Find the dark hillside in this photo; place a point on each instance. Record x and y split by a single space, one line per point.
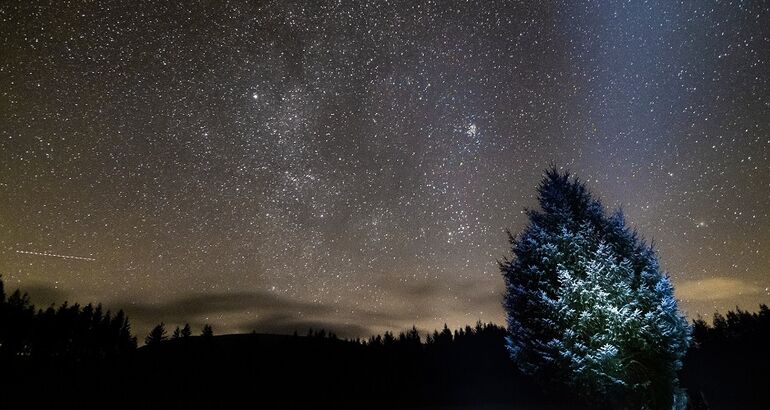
276 371
726 368
311 372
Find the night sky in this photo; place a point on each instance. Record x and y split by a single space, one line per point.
278 165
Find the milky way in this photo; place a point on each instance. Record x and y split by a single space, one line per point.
274 166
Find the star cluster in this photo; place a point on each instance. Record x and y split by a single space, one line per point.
276 165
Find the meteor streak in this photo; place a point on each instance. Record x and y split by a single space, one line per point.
82 258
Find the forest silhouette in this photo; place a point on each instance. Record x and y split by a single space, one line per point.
82 356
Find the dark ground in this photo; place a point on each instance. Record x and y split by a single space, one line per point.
275 371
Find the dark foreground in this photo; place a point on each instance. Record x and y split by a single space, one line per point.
728 370
275 371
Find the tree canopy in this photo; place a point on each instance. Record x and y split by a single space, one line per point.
67 332
588 306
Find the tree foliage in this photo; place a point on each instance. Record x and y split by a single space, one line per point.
728 362
588 305
186 331
68 332
157 335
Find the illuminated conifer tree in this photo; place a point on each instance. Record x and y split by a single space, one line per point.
588 306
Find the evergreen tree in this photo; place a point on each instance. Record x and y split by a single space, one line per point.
157 335
445 337
186 330
588 305
388 339
177 333
17 320
207 331
413 337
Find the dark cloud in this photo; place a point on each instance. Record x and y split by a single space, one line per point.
42 295
189 307
264 312
194 305
422 290
481 297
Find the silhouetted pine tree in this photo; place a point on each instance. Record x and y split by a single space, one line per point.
16 325
207 331
177 333
728 363
388 339
445 337
589 306
68 333
186 331
412 339
156 336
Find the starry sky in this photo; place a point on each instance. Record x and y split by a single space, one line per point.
277 165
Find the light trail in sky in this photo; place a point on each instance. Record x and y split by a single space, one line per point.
82 258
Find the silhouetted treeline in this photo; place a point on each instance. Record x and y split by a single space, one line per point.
467 367
728 364
63 333
158 334
81 357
